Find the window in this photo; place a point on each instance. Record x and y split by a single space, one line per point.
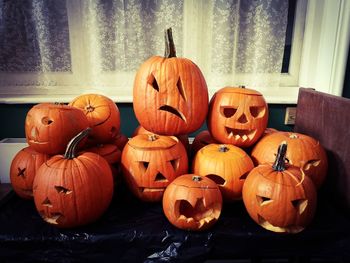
84 52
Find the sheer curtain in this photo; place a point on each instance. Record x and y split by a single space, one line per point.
103 42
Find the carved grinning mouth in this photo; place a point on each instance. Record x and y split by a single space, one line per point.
240 134
173 111
287 229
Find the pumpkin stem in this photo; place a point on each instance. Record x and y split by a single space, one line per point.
279 164
152 137
293 136
71 147
223 148
241 87
196 178
170 51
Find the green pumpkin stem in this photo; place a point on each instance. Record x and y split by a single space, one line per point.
280 161
170 51
73 143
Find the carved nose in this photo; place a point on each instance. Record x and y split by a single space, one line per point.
242 119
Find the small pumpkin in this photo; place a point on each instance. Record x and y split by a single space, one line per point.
49 127
151 162
227 165
192 202
170 95
279 197
24 166
237 116
73 190
303 151
103 116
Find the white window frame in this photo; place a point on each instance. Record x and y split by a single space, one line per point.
318 59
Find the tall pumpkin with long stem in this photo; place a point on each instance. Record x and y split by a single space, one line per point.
71 190
170 94
280 197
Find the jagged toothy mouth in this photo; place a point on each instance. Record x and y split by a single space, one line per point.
174 111
201 222
287 229
240 134
151 189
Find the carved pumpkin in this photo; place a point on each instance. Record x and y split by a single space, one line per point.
103 116
23 169
303 151
192 202
227 165
72 190
151 162
237 116
200 140
121 140
280 197
182 138
170 94
49 127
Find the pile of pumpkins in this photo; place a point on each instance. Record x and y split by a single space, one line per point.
75 149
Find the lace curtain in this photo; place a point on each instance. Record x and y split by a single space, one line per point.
234 42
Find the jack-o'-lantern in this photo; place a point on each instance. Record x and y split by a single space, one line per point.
49 127
170 95
227 165
303 151
103 116
72 190
23 169
237 116
200 140
151 162
280 197
192 202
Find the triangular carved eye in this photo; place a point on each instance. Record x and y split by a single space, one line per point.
243 176
160 178
256 111
62 190
181 89
153 82
175 164
311 163
262 200
216 178
300 205
144 166
228 112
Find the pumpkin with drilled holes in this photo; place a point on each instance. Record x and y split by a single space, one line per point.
303 151
170 94
103 116
24 166
237 116
227 165
279 197
182 138
192 202
202 139
49 127
73 190
151 162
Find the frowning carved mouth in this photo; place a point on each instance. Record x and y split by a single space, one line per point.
240 134
173 111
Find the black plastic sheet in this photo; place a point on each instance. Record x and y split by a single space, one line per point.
133 231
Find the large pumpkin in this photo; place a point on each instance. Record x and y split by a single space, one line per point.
72 190
226 165
280 197
192 202
23 170
151 162
49 127
237 116
103 116
170 94
303 151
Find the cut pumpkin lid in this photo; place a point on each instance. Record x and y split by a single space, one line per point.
152 141
239 90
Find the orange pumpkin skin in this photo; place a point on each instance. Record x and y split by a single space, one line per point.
227 165
23 169
237 116
170 95
182 138
200 140
103 116
121 140
192 202
109 152
280 201
150 162
73 191
303 151
49 127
